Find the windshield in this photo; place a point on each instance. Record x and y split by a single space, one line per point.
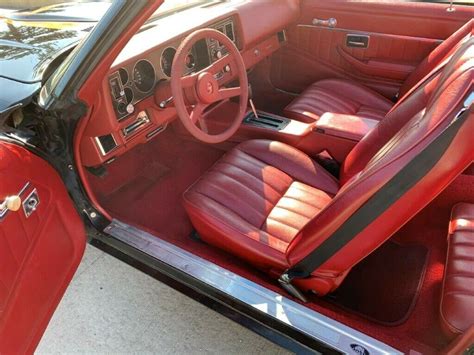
79 11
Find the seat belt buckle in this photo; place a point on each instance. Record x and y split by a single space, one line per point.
285 282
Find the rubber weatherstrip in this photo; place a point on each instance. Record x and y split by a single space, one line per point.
386 196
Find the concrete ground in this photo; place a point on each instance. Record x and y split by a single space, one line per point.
111 307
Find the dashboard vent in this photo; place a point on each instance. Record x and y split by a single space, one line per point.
281 36
106 143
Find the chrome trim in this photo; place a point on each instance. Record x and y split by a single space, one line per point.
330 22
277 306
31 203
153 133
142 119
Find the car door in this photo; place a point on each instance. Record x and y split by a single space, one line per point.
41 245
376 43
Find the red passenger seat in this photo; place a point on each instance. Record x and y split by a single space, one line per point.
348 97
457 302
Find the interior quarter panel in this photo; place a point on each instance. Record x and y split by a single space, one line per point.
38 254
401 35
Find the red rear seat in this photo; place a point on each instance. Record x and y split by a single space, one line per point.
457 302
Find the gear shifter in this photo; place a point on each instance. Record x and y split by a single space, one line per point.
252 105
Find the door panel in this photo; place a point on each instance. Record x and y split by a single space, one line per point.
400 35
39 253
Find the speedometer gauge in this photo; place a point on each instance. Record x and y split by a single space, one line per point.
144 76
167 60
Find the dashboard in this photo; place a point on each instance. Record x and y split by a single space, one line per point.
136 80
134 103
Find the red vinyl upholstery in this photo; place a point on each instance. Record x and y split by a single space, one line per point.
337 96
457 302
251 192
271 205
348 97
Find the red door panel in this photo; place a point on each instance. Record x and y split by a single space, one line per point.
400 35
39 253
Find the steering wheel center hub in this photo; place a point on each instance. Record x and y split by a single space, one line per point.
207 88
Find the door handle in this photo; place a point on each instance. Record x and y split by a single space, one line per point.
358 41
330 22
11 203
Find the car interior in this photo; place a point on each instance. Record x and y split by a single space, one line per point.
301 139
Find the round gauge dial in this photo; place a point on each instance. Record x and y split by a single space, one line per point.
167 60
123 75
144 76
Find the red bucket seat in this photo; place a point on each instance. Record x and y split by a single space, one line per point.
275 207
348 97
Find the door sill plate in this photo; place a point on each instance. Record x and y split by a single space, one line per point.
272 304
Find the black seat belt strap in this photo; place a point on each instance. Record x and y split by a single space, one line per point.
377 204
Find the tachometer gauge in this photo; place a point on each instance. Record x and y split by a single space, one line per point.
167 60
144 76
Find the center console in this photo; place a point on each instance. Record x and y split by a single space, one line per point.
335 133
266 120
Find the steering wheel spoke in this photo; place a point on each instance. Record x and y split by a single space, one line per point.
197 112
220 65
189 81
227 93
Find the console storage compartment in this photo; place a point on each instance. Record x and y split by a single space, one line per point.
345 126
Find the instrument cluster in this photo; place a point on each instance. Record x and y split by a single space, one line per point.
135 81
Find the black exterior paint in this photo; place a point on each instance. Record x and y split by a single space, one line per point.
31 43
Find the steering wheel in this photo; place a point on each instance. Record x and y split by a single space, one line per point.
203 89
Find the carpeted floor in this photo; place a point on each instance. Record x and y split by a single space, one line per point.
151 199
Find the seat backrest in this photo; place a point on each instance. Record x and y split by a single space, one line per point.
435 57
439 109
411 103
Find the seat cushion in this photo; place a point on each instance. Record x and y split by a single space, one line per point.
255 200
457 302
338 96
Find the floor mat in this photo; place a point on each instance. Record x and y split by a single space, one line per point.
384 286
